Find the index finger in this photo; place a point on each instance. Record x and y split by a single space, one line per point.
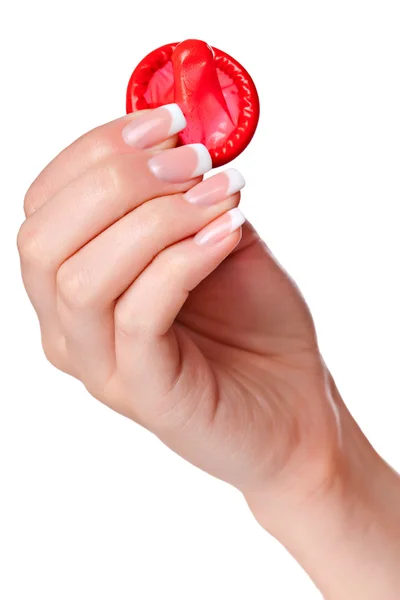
94 147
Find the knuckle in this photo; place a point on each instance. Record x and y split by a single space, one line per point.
22 238
173 263
130 325
152 219
112 176
124 323
30 247
95 145
29 202
72 288
33 199
155 222
159 218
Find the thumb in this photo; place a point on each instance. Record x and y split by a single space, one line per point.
275 305
155 357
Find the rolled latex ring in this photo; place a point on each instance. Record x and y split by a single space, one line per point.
216 94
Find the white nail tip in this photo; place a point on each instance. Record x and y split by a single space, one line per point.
178 120
237 218
236 181
204 162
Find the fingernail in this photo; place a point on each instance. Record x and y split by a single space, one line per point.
154 126
216 188
180 164
220 228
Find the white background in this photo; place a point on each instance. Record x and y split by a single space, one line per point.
91 506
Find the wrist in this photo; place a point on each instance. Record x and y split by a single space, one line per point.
344 529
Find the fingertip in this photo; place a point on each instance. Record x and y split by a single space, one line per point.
221 228
154 127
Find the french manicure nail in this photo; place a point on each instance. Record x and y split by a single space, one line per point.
180 164
154 126
216 188
220 228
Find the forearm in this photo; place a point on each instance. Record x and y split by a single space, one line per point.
346 535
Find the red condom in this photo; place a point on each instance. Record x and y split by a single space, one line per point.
216 94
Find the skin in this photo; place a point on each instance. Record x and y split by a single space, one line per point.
213 349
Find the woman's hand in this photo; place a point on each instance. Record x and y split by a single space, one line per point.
146 292
135 298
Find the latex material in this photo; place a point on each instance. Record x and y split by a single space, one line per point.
162 85
214 91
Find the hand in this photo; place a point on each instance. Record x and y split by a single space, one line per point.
146 291
217 357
